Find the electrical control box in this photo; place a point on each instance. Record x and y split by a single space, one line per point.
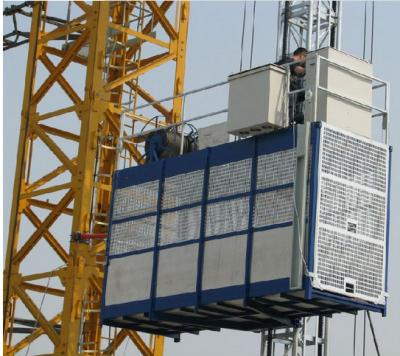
257 101
337 90
345 94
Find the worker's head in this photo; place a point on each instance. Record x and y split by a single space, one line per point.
300 54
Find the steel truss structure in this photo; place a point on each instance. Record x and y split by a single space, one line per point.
296 341
309 24
92 63
313 25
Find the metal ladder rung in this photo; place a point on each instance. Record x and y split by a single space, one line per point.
100 223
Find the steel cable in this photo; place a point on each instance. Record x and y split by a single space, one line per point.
372 30
252 34
373 333
243 28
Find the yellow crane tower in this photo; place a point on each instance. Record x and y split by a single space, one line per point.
115 43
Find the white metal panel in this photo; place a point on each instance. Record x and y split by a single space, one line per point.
213 135
332 109
177 270
129 279
272 254
350 233
224 262
257 101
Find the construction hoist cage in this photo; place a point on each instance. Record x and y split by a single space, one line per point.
207 240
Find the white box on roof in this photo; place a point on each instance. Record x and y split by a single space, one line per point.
351 81
257 101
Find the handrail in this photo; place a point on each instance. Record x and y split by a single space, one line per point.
381 112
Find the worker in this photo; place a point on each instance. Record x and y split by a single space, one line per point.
297 73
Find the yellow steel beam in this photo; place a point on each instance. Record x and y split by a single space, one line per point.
99 114
50 219
61 80
164 58
52 189
180 60
116 342
139 343
60 133
140 35
158 348
169 29
47 178
83 6
144 120
46 205
38 276
43 289
58 152
55 245
44 88
62 31
60 53
32 337
150 99
78 275
55 113
37 314
15 213
153 22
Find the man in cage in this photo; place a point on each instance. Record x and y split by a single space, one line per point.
297 73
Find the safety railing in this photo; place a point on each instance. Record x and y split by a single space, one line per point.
311 90
376 84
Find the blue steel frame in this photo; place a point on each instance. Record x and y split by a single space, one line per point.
204 159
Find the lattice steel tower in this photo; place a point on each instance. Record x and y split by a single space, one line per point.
309 24
313 25
92 66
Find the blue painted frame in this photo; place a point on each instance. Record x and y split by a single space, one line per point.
203 160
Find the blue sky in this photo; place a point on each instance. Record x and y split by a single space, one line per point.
213 54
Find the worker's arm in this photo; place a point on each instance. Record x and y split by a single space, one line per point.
299 70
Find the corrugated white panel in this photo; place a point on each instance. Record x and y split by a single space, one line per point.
350 231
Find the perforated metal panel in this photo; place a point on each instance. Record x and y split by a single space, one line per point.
274 207
132 235
276 168
227 216
183 189
230 178
350 232
135 200
181 225
140 215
